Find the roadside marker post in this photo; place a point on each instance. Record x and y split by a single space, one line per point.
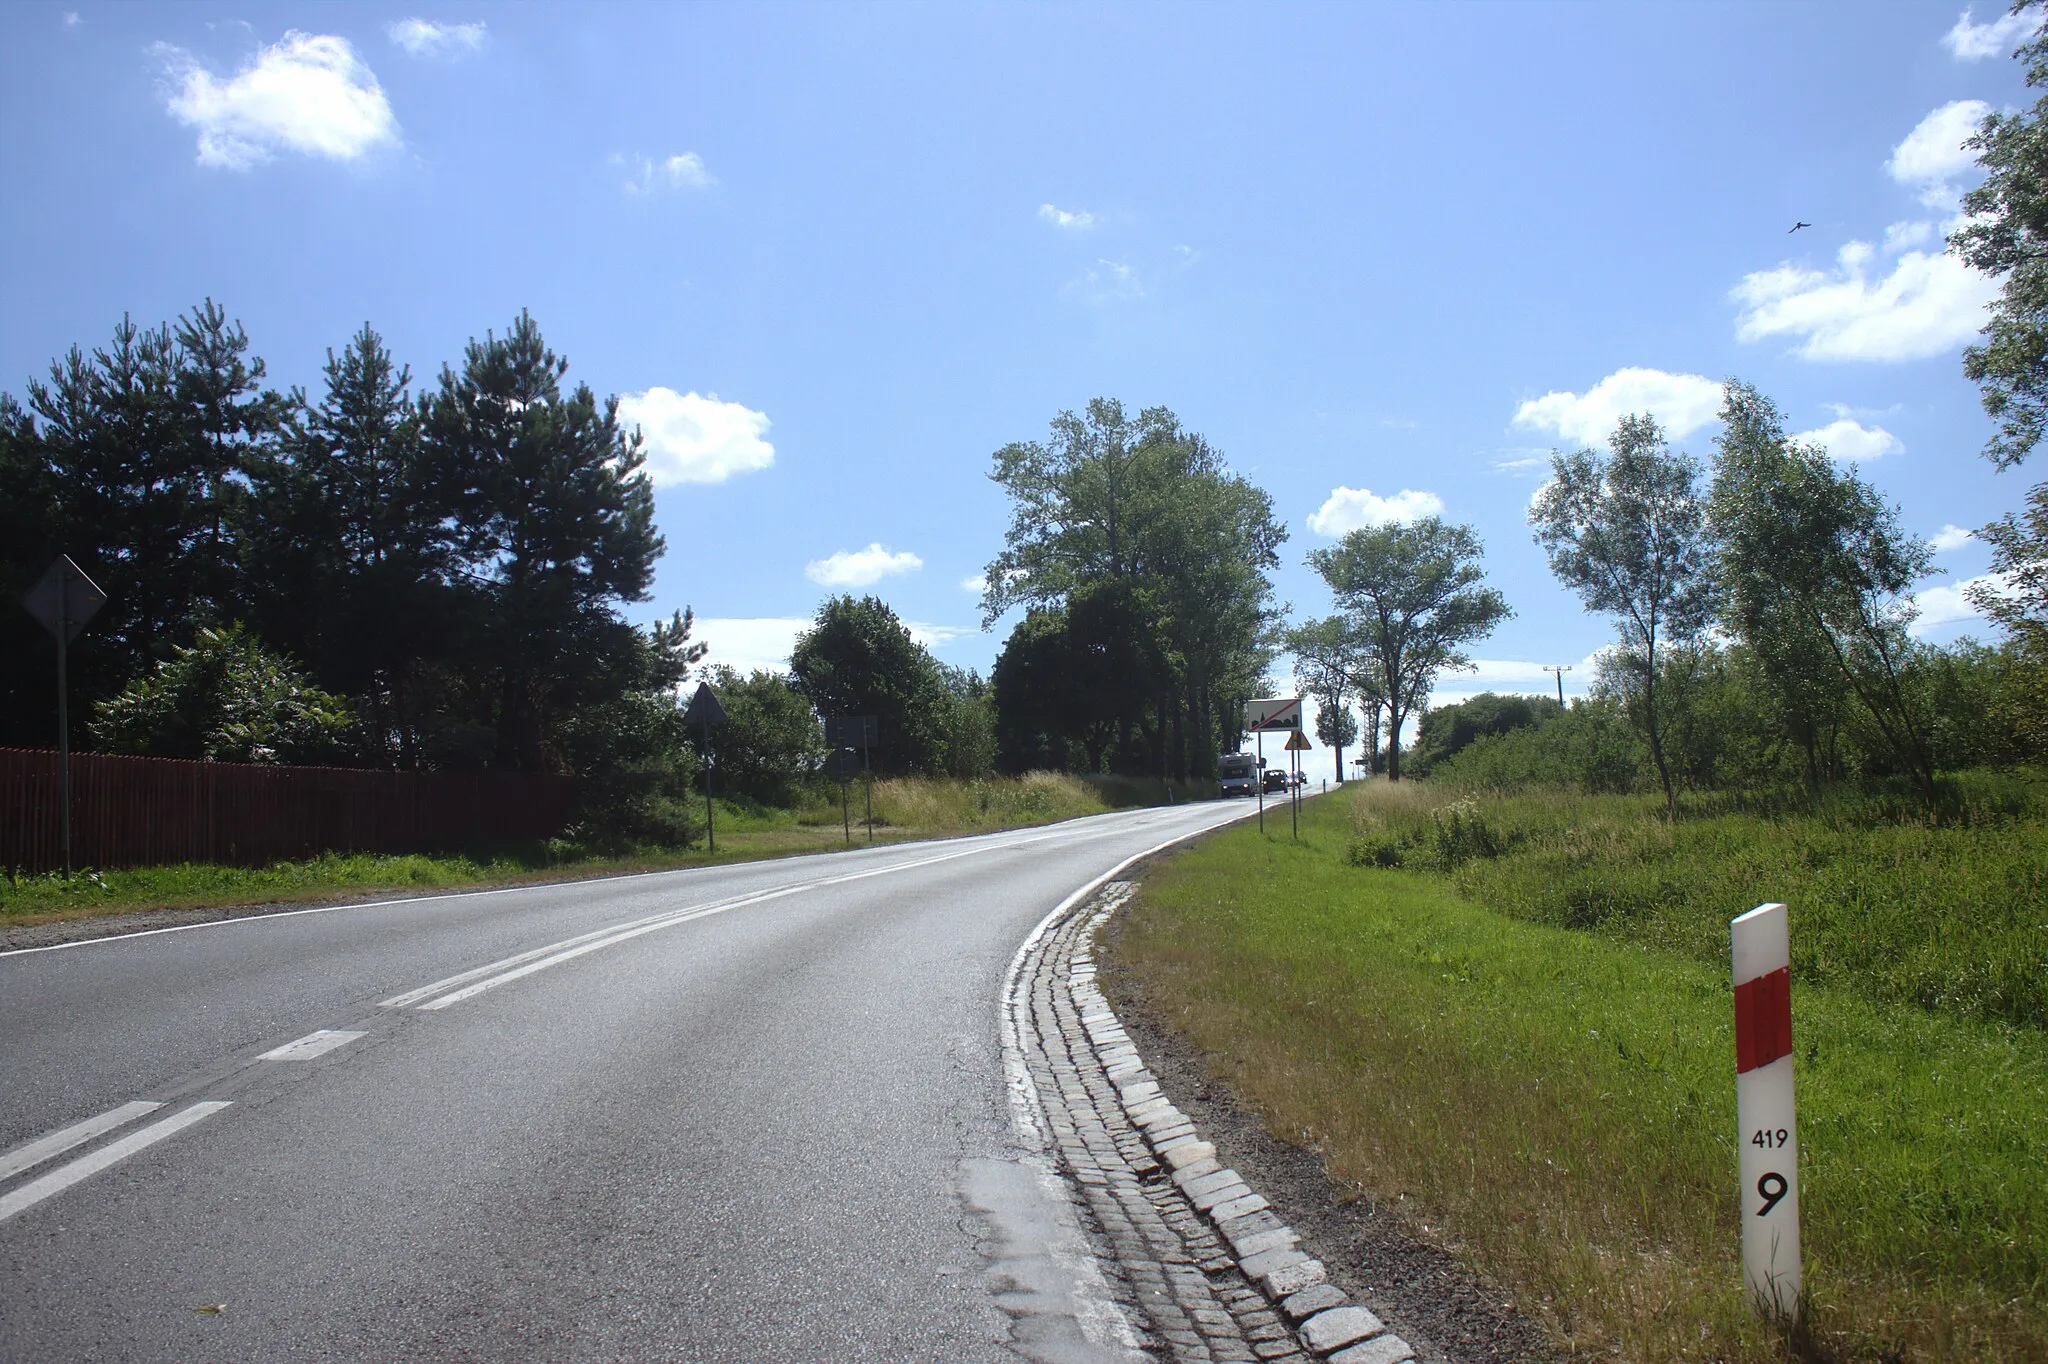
1761 947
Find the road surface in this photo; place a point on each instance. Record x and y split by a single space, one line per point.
754 1112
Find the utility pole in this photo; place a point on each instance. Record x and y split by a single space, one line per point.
1560 670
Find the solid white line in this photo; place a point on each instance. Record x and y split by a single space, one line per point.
472 991
57 1143
64 1176
503 963
541 958
316 1043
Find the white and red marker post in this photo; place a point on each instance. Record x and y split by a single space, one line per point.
1762 948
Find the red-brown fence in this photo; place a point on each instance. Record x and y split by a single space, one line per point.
139 812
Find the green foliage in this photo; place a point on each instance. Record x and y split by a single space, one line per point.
1414 599
1148 559
1446 731
134 460
858 659
1591 747
2002 231
1627 532
771 744
967 737
1817 575
227 698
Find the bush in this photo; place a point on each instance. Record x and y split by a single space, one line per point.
228 698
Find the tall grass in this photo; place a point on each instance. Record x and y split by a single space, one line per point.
1948 915
1557 1106
905 808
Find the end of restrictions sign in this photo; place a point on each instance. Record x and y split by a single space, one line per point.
1273 714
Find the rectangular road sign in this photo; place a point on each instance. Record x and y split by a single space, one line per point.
1269 714
849 731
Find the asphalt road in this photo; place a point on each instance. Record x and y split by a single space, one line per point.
749 1113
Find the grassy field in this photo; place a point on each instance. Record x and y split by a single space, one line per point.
1556 1104
905 809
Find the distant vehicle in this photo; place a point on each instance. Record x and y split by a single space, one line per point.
1276 779
1301 779
1239 774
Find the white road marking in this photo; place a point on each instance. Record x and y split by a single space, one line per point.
669 921
481 979
64 1176
316 1043
57 1143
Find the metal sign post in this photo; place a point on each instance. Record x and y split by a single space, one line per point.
1297 744
841 767
704 711
1767 1136
856 731
63 600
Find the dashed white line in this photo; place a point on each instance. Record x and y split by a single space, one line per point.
316 1043
64 1176
57 1143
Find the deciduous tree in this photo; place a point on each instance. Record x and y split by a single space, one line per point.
1414 596
1627 532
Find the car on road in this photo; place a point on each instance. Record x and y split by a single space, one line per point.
1276 779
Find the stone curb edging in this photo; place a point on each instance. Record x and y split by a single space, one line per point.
1212 1268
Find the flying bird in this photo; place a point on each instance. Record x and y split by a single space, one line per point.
1795 227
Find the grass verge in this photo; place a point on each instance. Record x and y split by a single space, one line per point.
906 808
1557 1106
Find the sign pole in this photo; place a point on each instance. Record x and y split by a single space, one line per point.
64 713
1294 792
710 765
1262 780
1768 1139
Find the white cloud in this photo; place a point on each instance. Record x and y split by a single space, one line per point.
695 438
1349 509
860 567
684 170
1927 305
937 636
1950 537
1851 440
977 584
1078 221
1107 281
1899 236
1973 42
309 93
750 643
1681 403
1932 155
1941 606
71 19
426 38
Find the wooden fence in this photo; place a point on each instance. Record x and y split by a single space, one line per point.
139 812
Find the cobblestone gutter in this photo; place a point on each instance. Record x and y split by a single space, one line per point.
1201 1266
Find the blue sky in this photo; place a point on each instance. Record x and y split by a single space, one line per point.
1385 257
